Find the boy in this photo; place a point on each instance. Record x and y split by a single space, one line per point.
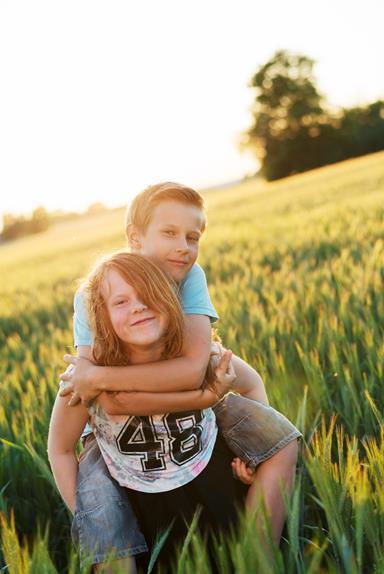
165 222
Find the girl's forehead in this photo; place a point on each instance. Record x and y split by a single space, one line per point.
113 283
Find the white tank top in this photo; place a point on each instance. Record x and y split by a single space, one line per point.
155 453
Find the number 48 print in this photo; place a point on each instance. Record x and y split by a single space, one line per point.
138 437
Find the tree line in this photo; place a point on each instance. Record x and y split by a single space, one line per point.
294 128
15 226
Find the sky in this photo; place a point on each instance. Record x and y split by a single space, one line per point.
100 99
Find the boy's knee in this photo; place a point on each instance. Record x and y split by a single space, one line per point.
291 452
286 458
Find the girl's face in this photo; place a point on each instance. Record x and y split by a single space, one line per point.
134 323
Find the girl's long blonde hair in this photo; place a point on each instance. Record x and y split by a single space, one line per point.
155 290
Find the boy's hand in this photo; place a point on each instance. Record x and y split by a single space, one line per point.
242 472
79 379
225 374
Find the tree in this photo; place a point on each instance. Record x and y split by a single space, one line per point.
362 129
13 226
17 226
288 115
96 208
292 130
40 220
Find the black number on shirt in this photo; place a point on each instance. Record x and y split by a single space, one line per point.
138 437
184 431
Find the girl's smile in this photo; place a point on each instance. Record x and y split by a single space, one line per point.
133 322
140 322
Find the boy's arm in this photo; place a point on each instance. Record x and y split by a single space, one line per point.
143 404
248 381
66 426
156 403
180 374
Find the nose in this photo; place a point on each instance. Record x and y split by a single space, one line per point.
138 306
183 247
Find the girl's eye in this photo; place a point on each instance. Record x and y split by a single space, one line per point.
120 302
170 233
193 239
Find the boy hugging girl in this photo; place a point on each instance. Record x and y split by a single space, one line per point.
142 351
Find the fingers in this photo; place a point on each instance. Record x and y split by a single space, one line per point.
231 369
70 359
242 471
68 373
75 399
217 348
225 373
65 388
225 363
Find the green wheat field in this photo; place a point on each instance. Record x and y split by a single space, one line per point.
296 272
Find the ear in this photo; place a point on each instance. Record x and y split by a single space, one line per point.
133 237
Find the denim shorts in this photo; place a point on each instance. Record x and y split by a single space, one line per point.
104 525
253 430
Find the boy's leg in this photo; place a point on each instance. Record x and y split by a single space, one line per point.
104 526
273 477
263 438
122 566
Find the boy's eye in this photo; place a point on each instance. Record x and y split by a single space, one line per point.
169 232
194 239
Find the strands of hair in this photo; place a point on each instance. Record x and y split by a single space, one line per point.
140 211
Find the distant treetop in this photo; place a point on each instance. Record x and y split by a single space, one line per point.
293 130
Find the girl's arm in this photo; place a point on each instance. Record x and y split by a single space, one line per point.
66 426
180 374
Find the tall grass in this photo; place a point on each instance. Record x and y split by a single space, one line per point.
296 271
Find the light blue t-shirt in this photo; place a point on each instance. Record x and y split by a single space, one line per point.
193 293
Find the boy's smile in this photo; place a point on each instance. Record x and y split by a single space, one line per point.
172 237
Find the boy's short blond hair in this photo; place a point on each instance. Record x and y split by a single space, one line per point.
140 211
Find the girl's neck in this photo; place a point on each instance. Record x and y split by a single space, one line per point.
149 354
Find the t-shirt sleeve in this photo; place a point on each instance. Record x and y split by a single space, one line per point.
81 331
194 294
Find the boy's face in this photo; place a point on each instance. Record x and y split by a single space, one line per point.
171 238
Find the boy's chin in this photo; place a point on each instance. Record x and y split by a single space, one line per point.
178 275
